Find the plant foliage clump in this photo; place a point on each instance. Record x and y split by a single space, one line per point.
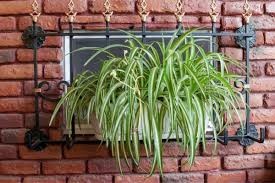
152 85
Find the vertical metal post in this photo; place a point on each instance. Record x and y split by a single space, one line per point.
143 31
247 80
107 33
36 100
71 73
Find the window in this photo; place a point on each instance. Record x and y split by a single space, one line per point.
99 40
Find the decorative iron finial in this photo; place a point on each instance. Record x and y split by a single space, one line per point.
143 13
108 13
35 11
71 14
247 12
213 13
179 12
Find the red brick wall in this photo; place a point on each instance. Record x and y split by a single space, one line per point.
87 163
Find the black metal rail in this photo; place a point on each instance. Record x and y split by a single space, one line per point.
34 36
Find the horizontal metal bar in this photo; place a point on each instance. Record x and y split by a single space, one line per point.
148 33
79 141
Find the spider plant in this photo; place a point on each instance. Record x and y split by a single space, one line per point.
135 95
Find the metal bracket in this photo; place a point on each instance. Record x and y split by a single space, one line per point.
28 37
240 40
252 132
36 139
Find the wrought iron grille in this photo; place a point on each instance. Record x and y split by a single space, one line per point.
34 37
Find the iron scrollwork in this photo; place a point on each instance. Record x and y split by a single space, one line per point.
240 40
45 86
30 35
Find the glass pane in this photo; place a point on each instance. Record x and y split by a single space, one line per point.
80 57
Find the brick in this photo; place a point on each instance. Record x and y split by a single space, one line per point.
16 7
269 100
90 179
10 39
53 41
163 19
136 179
270 161
262 85
16 104
227 177
172 149
126 19
270 38
263 22
53 71
201 164
260 40
256 100
196 7
164 6
231 148
8 152
61 6
63 167
48 106
236 8
10 89
7 56
7 23
256 69
266 147
231 22
46 22
43 179
43 55
262 53
86 151
12 136
19 71
44 120
169 165
51 152
19 167
270 8
261 175
270 69
243 161
11 120
84 19
55 134
227 40
183 177
234 53
270 132
108 165
121 6
263 116
10 179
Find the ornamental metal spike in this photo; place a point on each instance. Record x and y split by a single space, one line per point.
108 13
179 11
143 13
71 13
247 12
213 11
35 11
